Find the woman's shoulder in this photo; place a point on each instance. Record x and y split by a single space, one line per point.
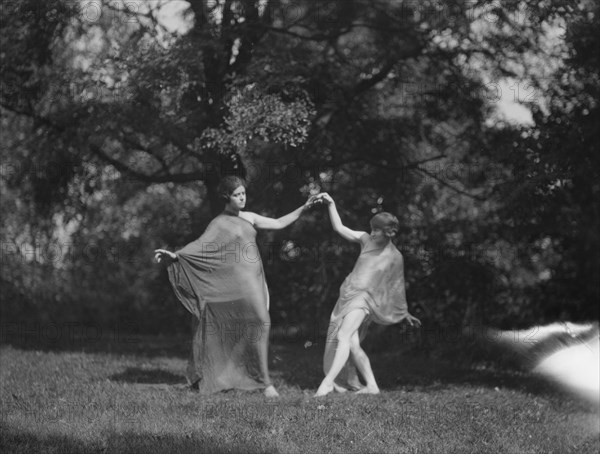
393 248
218 219
395 252
224 218
247 216
364 240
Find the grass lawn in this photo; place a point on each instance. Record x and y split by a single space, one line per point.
134 400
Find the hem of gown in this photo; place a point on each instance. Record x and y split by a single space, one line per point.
336 319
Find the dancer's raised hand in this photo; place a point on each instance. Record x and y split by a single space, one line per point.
324 197
312 200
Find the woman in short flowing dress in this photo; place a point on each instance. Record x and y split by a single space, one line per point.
372 293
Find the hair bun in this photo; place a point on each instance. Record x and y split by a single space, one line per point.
228 184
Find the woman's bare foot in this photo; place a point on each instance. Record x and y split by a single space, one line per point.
339 389
270 391
355 384
368 390
324 389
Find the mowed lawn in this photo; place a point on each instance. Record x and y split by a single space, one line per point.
118 400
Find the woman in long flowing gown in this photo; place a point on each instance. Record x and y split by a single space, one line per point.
220 279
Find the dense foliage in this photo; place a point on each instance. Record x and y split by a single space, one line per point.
118 120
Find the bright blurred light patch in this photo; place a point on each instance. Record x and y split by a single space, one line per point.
566 353
575 367
172 15
572 329
538 335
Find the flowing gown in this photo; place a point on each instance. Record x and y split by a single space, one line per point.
376 286
220 279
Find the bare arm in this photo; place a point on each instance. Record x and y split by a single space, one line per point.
263 222
336 221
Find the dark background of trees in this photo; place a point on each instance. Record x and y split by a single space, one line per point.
116 130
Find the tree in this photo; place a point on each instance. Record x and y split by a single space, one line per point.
114 116
552 200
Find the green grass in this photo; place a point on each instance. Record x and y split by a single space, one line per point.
134 400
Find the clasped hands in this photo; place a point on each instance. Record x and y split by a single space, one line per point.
317 199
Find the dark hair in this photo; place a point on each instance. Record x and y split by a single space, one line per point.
386 221
229 184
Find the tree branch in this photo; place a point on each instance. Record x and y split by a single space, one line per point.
148 151
150 15
448 185
381 165
146 178
164 177
43 120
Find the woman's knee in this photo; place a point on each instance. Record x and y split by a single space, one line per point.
355 347
350 325
343 336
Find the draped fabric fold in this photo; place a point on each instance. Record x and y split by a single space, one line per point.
220 279
376 286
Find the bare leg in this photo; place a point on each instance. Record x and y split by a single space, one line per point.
364 366
353 380
350 325
263 351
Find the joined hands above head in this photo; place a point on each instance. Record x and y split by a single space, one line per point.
311 201
319 199
325 198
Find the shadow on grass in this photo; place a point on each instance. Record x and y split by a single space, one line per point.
292 364
409 370
121 442
147 376
99 342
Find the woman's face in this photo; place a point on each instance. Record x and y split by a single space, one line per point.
237 199
380 235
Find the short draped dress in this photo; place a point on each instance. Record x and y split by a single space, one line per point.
375 286
220 279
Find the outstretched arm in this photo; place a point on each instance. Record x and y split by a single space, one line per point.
263 222
336 221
